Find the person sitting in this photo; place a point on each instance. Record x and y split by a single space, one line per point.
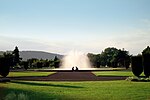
77 68
72 68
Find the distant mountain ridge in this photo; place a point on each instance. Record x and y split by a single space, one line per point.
36 54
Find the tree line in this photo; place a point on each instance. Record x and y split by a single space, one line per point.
110 57
40 63
12 60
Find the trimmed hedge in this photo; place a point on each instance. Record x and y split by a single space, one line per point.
146 61
5 62
136 63
146 64
4 67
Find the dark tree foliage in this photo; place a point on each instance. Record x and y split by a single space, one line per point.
98 60
103 59
36 63
39 64
46 63
146 61
94 59
111 57
5 62
25 64
91 58
122 58
31 62
136 64
51 63
56 62
108 55
16 56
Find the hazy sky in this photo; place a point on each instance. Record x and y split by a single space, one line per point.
85 25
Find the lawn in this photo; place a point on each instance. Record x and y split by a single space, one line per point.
28 73
94 90
114 73
81 90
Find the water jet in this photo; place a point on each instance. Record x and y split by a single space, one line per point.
75 59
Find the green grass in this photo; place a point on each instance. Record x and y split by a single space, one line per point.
94 90
28 73
114 73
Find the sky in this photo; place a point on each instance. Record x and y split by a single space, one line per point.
59 26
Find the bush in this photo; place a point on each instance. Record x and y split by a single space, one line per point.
6 60
146 64
138 79
137 68
24 64
4 66
16 96
146 61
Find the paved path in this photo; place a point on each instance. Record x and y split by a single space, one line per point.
70 76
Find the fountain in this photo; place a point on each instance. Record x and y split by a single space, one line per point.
75 59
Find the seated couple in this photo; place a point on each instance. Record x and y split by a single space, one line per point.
73 68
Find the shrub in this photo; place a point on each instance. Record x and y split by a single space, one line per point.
4 67
138 79
146 61
24 64
137 68
16 96
6 60
146 64
10 96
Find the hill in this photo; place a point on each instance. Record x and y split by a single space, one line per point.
37 54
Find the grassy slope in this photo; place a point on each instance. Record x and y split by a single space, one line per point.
106 90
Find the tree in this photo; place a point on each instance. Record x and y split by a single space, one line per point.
39 64
25 64
103 57
46 63
146 61
94 59
136 64
111 57
6 60
123 58
98 60
16 56
107 56
56 62
31 62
